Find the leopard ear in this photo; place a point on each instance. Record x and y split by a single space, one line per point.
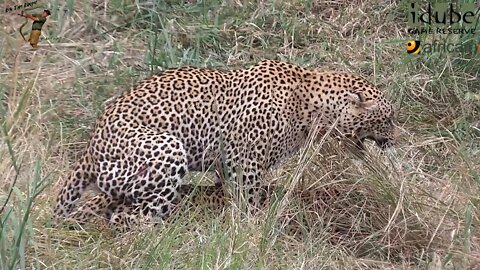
359 101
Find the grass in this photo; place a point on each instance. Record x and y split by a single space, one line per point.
417 209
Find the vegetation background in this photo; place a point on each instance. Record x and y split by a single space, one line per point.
416 209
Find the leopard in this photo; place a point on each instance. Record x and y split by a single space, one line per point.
240 122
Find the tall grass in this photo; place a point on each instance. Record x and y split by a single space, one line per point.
417 208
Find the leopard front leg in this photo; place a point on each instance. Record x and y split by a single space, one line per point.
246 182
255 194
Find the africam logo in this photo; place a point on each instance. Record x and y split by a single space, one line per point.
413 47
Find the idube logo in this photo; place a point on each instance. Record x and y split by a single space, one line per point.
442 18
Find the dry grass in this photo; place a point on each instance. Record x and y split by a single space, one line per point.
416 208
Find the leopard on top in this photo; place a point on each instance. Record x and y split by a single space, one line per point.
186 119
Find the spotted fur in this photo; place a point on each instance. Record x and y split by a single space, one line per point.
190 119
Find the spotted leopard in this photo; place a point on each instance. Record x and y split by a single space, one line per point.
193 119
